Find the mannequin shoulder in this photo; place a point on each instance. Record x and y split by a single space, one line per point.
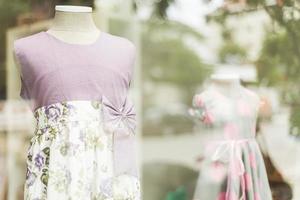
27 43
202 97
251 95
121 43
28 40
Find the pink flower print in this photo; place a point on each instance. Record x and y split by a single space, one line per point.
218 171
225 196
256 196
243 108
231 131
232 196
221 196
252 159
248 181
198 101
237 168
208 118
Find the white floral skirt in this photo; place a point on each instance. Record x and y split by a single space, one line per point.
70 156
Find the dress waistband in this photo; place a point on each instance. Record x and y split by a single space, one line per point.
65 111
236 140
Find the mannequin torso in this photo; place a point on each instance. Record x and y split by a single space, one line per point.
227 102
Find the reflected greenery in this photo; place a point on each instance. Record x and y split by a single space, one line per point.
167 60
230 51
160 9
168 181
9 10
278 64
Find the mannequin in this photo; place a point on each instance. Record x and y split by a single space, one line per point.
232 166
74 24
80 85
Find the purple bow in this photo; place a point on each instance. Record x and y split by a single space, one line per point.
121 122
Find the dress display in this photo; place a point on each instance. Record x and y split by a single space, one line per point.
232 167
83 146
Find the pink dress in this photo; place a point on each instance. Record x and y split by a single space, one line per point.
232 167
83 145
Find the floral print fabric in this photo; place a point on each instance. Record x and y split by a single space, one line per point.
71 156
232 167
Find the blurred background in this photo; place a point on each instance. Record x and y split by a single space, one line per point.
180 43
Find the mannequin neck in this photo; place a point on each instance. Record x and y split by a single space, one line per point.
225 84
74 24
228 83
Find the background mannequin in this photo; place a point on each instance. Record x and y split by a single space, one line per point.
229 111
74 24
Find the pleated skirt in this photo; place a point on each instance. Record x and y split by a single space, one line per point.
233 170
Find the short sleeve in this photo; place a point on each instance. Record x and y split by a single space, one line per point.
200 111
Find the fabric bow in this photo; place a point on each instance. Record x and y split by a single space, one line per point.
231 152
119 119
121 122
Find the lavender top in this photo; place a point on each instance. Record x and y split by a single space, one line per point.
53 71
